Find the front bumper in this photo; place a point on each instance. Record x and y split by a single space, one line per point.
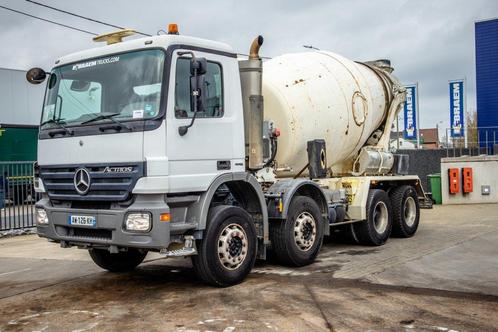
109 230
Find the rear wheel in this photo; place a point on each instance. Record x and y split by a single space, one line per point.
121 262
376 229
297 240
227 252
406 211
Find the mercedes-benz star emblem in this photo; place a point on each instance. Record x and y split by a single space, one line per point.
82 181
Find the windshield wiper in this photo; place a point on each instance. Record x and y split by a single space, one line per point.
109 116
59 123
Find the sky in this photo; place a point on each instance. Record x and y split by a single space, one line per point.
429 42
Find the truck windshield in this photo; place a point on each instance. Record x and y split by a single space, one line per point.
123 87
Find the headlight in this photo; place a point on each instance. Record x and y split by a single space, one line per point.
41 217
138 222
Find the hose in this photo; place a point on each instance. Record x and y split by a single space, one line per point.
274 147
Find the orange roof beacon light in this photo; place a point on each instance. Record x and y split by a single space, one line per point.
173 29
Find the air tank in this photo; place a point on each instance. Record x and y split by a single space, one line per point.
322 95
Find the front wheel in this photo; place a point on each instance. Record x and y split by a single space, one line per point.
123 261
297 240
227 252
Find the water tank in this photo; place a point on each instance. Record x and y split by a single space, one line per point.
322 95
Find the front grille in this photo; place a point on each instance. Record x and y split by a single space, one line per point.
84 205
85 233
96 234
104 186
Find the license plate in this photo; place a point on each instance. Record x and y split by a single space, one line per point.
88 221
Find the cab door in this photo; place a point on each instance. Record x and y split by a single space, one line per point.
214 144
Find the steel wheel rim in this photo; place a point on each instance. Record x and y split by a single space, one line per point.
232 246
305 231
380 217
410 211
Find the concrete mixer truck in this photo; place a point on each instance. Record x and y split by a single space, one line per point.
173 144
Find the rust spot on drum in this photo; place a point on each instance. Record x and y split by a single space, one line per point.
298 81
347 130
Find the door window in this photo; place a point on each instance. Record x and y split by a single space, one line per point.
214 90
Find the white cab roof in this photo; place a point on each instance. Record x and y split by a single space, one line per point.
163 41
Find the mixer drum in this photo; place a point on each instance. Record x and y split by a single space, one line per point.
321 95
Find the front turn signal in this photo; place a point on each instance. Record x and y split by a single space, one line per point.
165 217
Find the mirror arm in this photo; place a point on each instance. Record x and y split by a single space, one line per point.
182 130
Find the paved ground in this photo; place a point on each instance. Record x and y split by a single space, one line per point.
445 278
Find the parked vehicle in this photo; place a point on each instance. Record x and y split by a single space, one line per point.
172 144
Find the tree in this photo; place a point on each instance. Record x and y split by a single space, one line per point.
471 120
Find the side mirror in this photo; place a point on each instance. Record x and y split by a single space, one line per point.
198 89
198 69
36 75
198 66
198 93
80 86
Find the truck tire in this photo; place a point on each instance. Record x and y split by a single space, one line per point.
123 261
227 252
297 240
406 211
376 229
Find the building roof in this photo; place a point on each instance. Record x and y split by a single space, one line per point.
428 135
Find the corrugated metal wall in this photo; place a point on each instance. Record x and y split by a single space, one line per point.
20 102
486 34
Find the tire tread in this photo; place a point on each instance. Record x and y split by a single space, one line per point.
281 243
397 196
365 231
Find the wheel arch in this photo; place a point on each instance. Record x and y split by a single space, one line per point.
282 193
246 190
388 185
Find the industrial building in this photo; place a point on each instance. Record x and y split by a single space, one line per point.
486 43
20 110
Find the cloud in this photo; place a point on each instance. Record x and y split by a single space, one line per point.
429 42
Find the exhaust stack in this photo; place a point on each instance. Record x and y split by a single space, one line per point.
251 71
254 49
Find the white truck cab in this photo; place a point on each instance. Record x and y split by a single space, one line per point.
159 144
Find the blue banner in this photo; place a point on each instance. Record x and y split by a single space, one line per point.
457 111
410 113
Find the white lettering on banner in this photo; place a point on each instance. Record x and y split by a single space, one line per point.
456 108
409 113
95 62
